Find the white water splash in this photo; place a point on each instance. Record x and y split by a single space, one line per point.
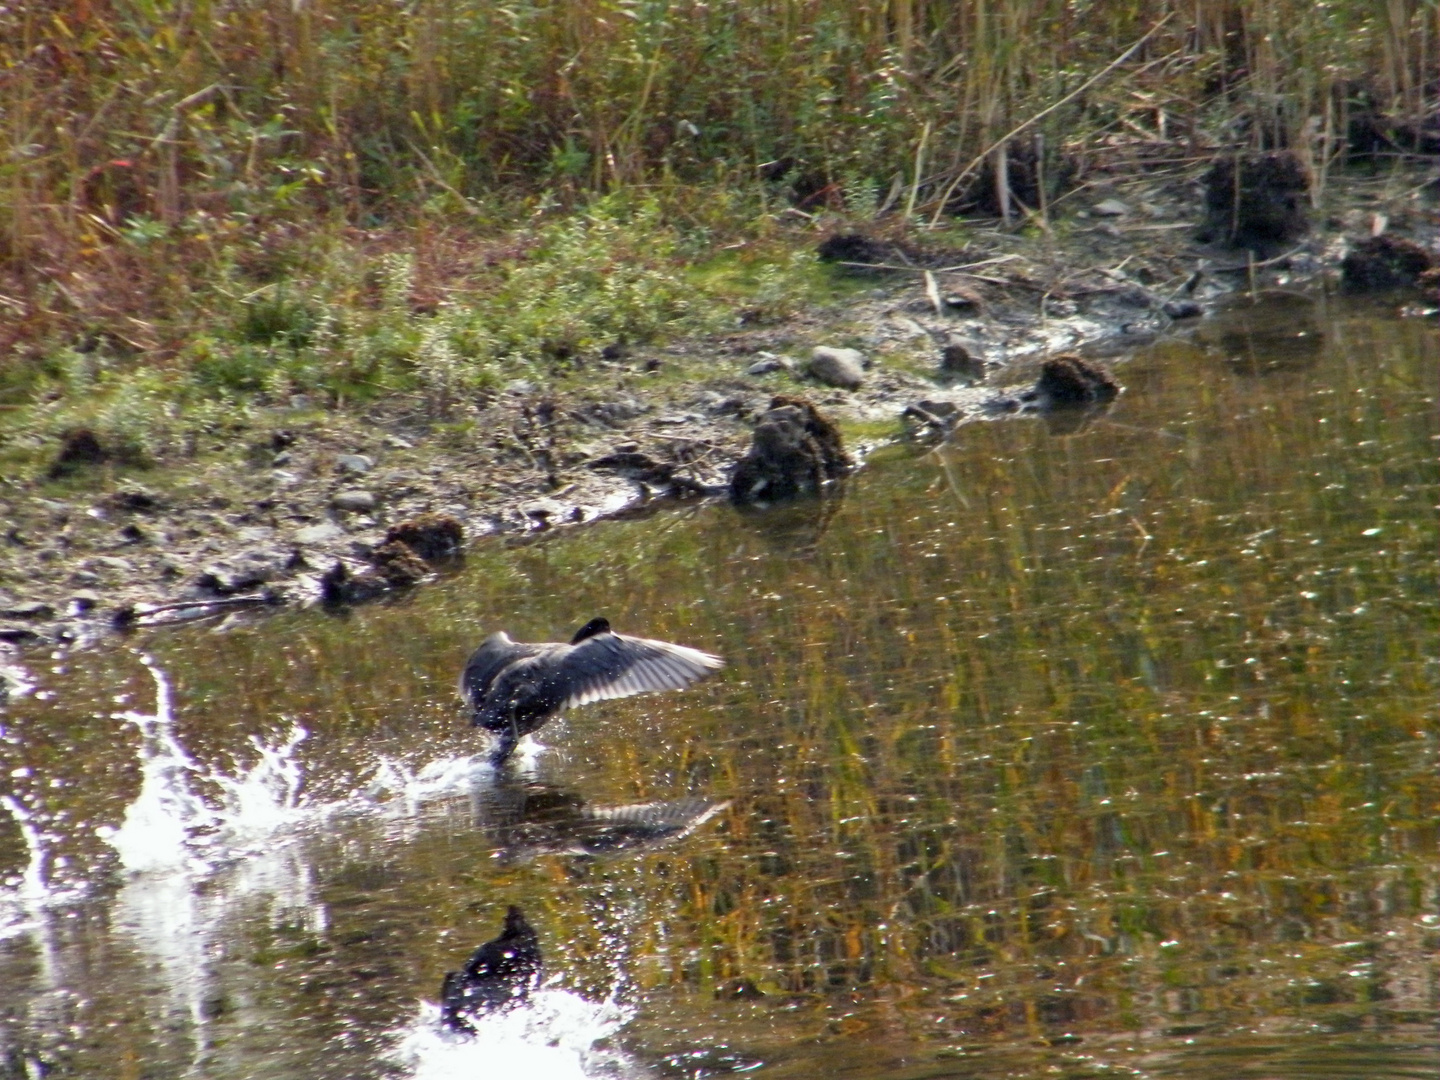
22 907
553 1037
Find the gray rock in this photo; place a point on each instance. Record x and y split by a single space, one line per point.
1110 208
766 366
322 533
398 442
281 459
248 569
29 609
85 577
18 634
113 562
255 534
353 501
838 367
354 464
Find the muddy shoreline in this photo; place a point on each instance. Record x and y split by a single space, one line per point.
949 338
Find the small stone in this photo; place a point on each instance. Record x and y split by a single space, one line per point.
29 609
84 577
322 533
1110 208
765 367
134 498
84 600
249 569
354 464
519 387
281 459
112 562
18 634
963 302
838 367
353 501
398 442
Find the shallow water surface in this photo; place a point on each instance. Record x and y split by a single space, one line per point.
1079 745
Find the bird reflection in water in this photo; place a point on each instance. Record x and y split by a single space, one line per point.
526 820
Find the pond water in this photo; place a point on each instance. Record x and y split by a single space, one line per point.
1072 747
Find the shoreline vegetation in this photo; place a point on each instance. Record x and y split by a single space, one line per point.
264 244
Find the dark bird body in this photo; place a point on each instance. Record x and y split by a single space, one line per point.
500 974
513 687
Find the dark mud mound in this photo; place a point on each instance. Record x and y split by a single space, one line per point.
1256 201
795 449
861 254
1068 380
78 447
1385 262
1026 174
430 536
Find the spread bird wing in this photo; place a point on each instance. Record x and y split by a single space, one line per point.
616 665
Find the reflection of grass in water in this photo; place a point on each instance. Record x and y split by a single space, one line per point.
1162 739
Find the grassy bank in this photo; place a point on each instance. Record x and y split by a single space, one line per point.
212 207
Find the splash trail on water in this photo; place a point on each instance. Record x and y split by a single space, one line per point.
553 1037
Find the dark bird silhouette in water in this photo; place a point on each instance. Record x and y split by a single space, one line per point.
513 687
499 975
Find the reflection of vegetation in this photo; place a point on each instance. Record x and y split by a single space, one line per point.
1129 730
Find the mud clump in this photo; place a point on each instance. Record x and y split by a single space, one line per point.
795 449
1070 380
398 564
1385 262
1256 201
78 447
865 256
430 536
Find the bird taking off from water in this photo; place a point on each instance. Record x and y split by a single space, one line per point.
513 687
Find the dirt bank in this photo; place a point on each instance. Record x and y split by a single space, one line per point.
941 336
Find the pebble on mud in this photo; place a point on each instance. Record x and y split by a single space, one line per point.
322 533
354 464
1385 262
1256 201
354 501
796 448
844 368
431 536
